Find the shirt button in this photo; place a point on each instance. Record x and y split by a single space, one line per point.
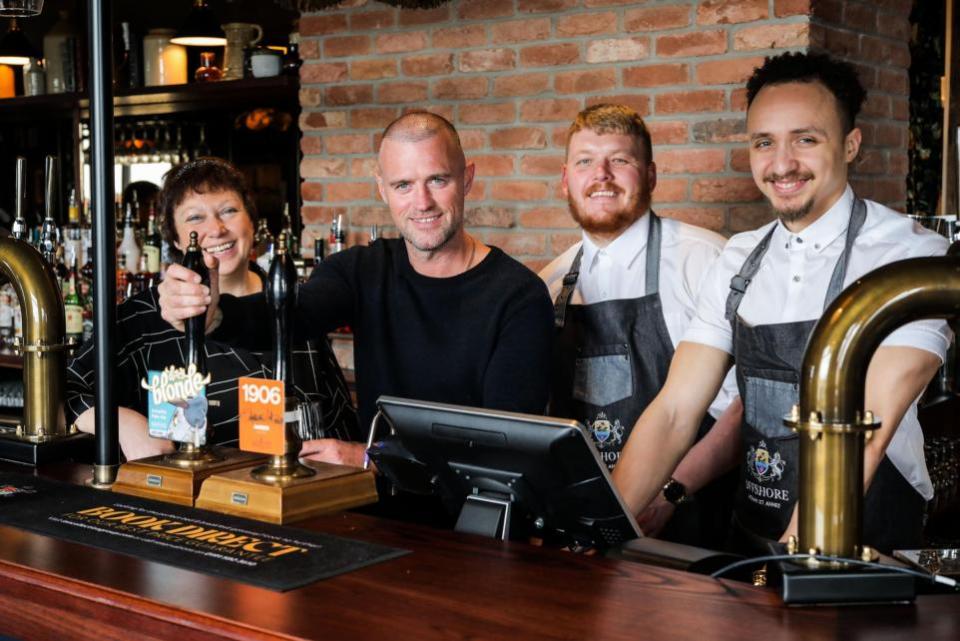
796 279
799 240
817 246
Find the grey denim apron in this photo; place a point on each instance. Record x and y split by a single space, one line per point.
768 359
610 360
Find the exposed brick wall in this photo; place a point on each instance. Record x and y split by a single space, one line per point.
875 36
511 74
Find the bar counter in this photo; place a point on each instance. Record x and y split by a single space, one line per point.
452 586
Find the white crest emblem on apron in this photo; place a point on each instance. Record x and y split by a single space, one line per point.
605 434
763 465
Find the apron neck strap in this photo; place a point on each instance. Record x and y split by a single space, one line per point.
651 281
740 282
857 217
569 284
652 278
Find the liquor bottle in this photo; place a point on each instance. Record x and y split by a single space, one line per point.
195 327
338 235
318 251
144 279
85 282
208 71
73 307
135 216
264 245
152 244
123 279
128 246
118 220
19 228
293 242
128 60
73 243
86 229
85 285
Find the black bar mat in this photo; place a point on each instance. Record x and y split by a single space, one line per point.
270 556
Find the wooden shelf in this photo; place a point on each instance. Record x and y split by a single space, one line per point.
203 96
159 100
11 361
33 108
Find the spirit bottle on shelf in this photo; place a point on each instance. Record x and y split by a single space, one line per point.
264 245
123 279
73 243
152 244
73 307
129 248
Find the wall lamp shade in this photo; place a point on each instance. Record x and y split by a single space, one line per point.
201 28
15 49
20 8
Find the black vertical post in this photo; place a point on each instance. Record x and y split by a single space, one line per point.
99 32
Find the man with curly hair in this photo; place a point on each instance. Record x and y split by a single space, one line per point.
760 303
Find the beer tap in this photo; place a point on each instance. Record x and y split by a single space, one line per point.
195 327
281 297
193 454
49 233
19 228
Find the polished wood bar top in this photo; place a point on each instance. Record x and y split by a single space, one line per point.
452 586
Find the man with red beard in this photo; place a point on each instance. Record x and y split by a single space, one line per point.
624 297
761 301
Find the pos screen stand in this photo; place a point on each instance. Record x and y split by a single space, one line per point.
507 474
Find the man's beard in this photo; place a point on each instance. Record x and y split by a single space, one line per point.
609 222
795 213
428 244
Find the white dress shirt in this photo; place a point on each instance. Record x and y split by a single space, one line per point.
618 271
792 282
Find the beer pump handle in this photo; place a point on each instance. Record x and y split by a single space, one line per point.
196 326
281 297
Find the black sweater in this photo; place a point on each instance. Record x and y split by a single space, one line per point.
481 338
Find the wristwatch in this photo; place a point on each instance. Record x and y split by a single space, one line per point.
675 492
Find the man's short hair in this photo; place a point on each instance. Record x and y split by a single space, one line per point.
838 77
420 124
613 119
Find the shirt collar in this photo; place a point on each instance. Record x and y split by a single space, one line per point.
820 234
624 249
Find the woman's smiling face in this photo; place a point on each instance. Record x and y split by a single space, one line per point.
224 228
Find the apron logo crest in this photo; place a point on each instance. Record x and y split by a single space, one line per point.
763 465
605 434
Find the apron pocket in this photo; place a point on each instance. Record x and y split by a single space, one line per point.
766 403
603 379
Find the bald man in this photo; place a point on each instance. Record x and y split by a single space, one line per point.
436 315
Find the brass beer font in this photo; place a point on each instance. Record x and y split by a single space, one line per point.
43 347
830 417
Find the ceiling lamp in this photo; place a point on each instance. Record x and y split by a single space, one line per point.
201 28
15 49
20 8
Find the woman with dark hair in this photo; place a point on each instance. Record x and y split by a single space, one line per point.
208 196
